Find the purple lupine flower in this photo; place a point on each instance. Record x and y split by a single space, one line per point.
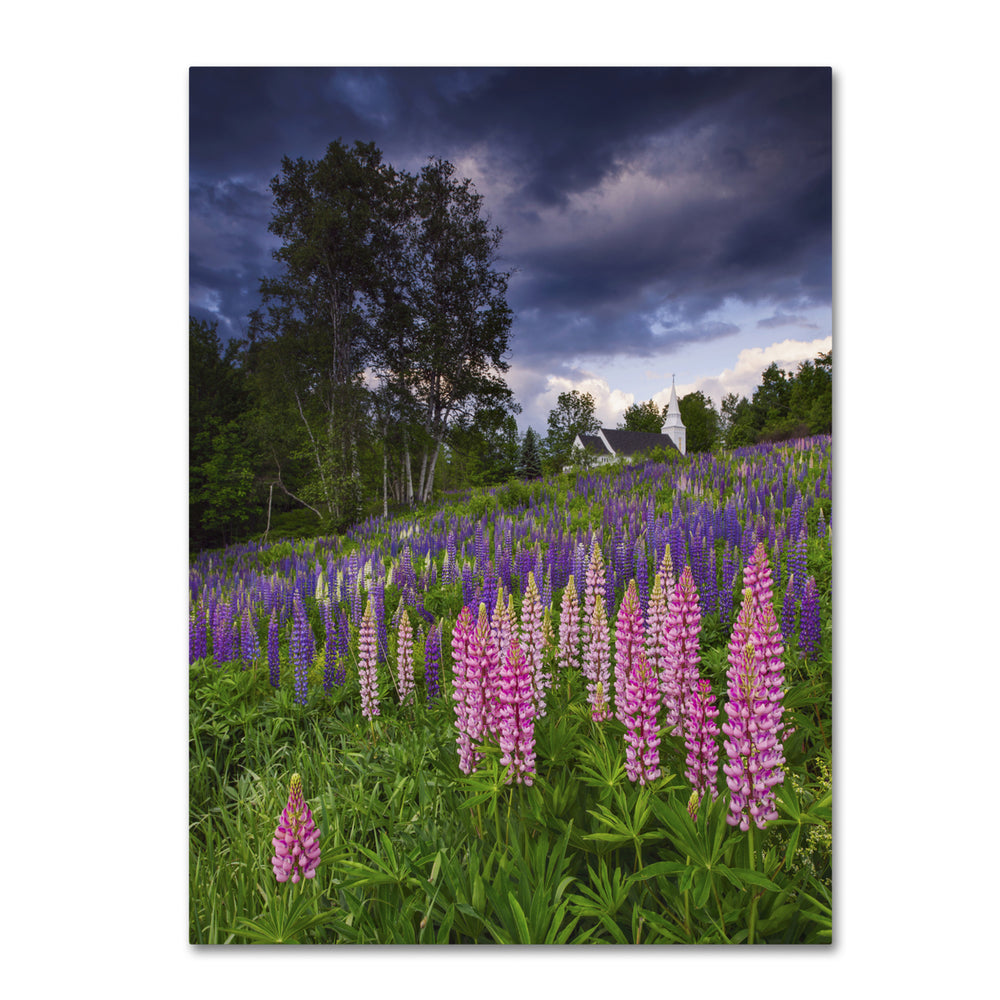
249 645
517 716
273 651
197 636
329 647
679 675
432 661
343 647
639 703
569 628
531 643
368 663
788 608
404 655
296 840
809 624
630 641
303 648
700 732
597 662
755 756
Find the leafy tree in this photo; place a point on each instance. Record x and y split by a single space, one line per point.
644 417
700 419
340 221
449 323
573 415
217 400
483 449
531 459
736 421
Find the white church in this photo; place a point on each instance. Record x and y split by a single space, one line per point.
609 445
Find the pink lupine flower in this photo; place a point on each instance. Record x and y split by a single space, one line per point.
666 574
479 661
461 638
368 663
757 576
296 840
639 704
502 628
754 751
656 621
700 732
597 662
594 584
532 644
679 674
404 655
517 717
630 641
569 628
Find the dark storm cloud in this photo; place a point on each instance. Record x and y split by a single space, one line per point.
633 201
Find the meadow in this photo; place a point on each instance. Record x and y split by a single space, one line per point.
595 709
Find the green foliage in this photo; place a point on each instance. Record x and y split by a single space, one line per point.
530 466
644 417
573 415
700 420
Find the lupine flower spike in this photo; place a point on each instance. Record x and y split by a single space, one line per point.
517 717
629 643
597 662
368 663
404 655
639 703
296 841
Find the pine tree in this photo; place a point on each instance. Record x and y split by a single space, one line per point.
531 462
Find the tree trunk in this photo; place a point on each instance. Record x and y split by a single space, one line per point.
430 475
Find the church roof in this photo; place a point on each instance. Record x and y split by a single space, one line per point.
632 442
593 443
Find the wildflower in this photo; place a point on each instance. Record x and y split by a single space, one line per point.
755 755
475 656
432 661
809 627
273 651
656 620
639 702
404 655
629 642
569 628
296 840
679 674
517 716
531 642
597 661
303 648
368 663
700 732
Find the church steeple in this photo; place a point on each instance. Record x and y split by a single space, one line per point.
673 426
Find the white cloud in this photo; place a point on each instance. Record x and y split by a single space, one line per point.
538 394
744 376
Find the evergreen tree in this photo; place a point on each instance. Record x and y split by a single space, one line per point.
531 459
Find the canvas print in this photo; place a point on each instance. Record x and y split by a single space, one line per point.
511 508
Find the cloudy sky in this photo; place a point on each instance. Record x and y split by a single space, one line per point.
659 221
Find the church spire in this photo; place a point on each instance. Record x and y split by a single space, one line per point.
673 426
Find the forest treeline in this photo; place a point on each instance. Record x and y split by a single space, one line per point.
372 377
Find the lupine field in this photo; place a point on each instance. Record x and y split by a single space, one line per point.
594 710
